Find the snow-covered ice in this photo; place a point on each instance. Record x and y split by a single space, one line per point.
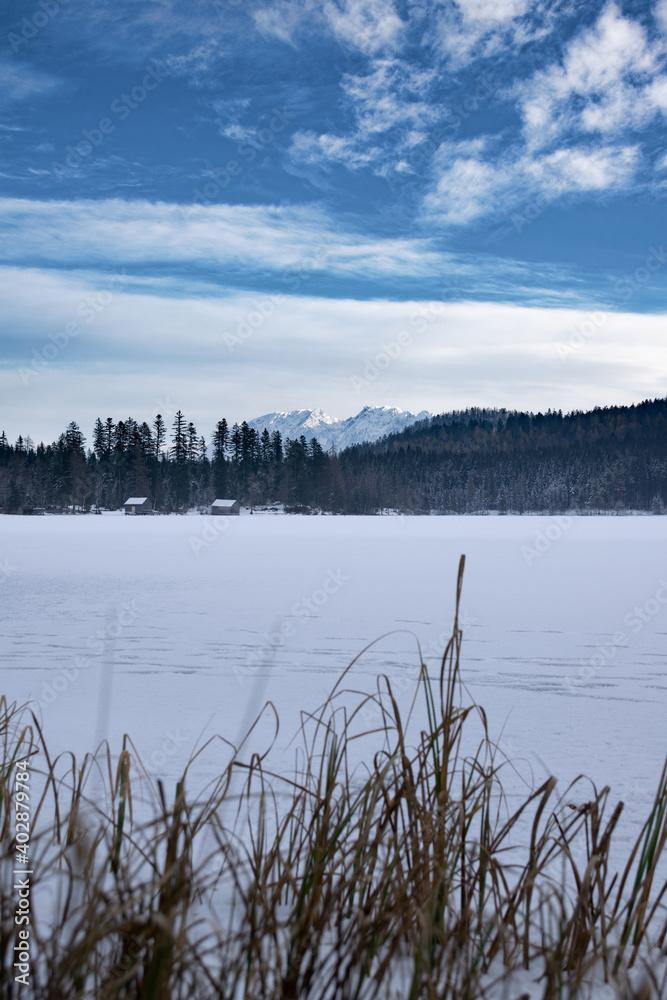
167 627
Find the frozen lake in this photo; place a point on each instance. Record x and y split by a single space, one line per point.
168 628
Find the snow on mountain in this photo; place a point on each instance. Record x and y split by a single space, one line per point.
374 422
294 423
371 423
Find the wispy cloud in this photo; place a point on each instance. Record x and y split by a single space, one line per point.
581 129
369 26
472 182
390 113
176 250
20 81
372 26
252 236
313 150
468 30
283 19
575 170
197 65
391 95
304 353
375 89
127 32
608 81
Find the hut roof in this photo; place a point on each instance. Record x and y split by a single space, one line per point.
136 500
223 503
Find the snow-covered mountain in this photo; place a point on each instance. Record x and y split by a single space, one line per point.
371 423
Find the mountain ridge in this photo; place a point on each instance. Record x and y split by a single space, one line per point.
370 424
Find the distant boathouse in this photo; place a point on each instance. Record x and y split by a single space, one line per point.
138 505
227 507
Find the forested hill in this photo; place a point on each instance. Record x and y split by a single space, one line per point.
610 459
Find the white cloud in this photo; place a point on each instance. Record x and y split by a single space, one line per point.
19 81
282 19
572 170
311 149
229 111
372 26
390 114
197 65
95 232
608 81
176 249
473 182
576 115
142 348
493 10
656 93
468 185
238 133
390 95
660 15
467 29
132 31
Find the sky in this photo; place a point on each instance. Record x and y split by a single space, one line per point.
235 207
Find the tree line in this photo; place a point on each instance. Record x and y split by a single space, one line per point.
470 461
174 467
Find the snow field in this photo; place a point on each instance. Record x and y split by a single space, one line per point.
172 629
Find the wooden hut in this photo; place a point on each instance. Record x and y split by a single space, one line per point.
138 505
227 507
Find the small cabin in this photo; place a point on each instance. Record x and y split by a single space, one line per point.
226 507
138 505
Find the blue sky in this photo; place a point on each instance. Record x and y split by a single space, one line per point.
240 207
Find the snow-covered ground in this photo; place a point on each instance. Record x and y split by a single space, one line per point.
172 627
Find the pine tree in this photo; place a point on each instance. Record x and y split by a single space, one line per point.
220 436
146 437
99 439
296 462
135 438
121 438
608 459
77 470
318 462
179 454
203 474
109 428
179 441
192 443
74 439
265 447
277 445
236 445
139 485
246 445
159 435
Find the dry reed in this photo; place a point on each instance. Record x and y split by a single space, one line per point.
413 879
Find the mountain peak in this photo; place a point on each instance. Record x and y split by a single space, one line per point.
371 423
